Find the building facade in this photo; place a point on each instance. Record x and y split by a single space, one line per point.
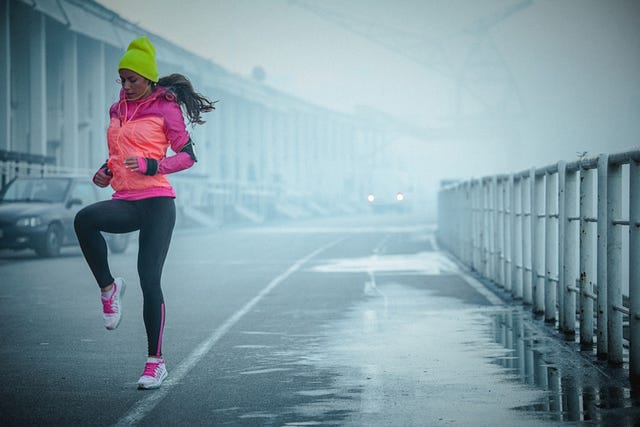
261 153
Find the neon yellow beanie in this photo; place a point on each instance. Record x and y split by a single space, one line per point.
141 58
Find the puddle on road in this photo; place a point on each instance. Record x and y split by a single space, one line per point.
578 388
426 263
414 358
408 355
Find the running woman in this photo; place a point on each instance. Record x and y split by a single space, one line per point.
144 123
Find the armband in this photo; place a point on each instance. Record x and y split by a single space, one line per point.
189 149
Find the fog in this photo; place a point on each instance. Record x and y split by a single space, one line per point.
495 85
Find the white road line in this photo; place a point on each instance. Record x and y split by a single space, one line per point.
146 405
472 281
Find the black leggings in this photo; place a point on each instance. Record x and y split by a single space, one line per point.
155 218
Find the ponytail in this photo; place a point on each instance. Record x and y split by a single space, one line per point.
191 102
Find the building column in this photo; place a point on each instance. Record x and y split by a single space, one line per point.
38 86
5 76
70 154
99 111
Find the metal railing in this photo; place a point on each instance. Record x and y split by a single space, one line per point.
552 237
13 163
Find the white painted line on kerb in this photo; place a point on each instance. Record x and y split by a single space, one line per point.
472 281
146 405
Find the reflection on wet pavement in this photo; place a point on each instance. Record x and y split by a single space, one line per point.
417 345
578 387
409 357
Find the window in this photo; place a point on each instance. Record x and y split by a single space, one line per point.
85 192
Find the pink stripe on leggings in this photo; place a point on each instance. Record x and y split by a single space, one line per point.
159 350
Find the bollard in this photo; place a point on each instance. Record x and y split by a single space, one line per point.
551 249
586 258
634 271
614 253
601 255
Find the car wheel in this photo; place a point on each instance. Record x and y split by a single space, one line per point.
117 243
51 242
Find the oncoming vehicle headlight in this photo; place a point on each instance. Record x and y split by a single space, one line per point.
399 197
29 221
371 198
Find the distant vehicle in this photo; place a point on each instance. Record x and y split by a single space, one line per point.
389 190
38 214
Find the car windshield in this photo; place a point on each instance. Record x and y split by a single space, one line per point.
50 190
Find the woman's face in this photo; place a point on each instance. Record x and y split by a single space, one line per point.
134 85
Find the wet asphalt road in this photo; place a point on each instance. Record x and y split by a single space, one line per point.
355 321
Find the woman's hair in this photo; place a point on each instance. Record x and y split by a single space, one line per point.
192 102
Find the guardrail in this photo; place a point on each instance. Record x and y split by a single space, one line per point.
552 237
14 163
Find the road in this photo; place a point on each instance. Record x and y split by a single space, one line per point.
352 321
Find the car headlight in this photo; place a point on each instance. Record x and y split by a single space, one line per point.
29 221
371 198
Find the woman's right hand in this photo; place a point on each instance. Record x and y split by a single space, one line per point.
100 178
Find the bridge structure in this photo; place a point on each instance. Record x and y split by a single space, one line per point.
562 239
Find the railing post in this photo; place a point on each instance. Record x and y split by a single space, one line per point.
586 258
508 233
614 252
486 230
537 247
634 271
475 226
601 270
526 242
468 235
562 230
477 195
456 218
551 252
495 235
504 234
571 248
513 242
465 232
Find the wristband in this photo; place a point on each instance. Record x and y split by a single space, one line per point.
152 166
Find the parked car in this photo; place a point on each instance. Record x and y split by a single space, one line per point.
38 214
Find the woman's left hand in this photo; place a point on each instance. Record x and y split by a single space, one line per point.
135 164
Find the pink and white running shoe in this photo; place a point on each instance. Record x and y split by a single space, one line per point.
154 373
112 307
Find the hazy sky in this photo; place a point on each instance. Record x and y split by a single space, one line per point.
573 65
